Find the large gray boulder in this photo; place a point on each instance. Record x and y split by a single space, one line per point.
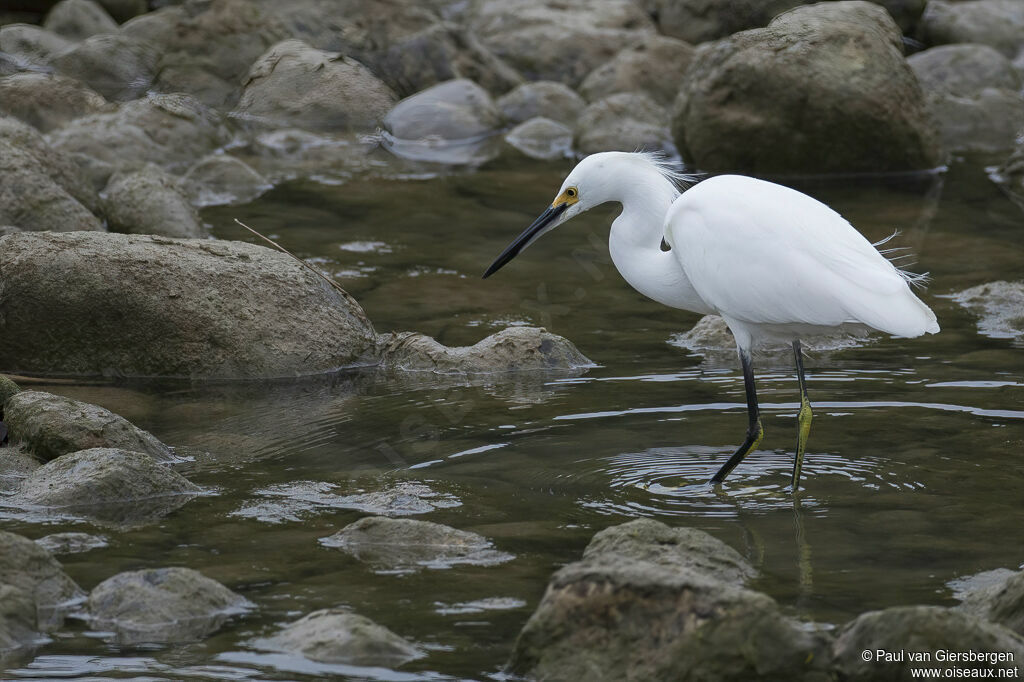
116 66
654 66
338 636
925 629
113 486
150 201
162 606
32 571
625 122
975 94
51 425
206 49
407 545
644 604
549 99
558 41
822 88
42 188
132 305
512 349
297 85
172 131
47 100
997 23
79 19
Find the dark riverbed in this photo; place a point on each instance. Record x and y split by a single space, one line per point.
913 476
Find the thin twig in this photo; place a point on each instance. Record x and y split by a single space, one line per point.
302 262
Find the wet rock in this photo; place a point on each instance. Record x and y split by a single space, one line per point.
47 101
406 545
131 305
974 93
172 131
116 66
1010 174
162 606
541 138
999 307
453 110
31 570
997 23
295 501
17 619
654 66
711 336
547 99
79 19
1001 603
918 629
150 201
206 49
685 548
15 466
556 41
825 88
697 21
624 122
512 349
222 179
298 85
71 543
31 45
113 486
52 425
337 636
40 187
447 123
632 609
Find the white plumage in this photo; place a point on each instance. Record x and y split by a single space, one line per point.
773 262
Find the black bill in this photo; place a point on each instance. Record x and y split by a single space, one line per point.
523 240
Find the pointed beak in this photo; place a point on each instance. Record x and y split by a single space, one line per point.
528 235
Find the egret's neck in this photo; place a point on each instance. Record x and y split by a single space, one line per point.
635 243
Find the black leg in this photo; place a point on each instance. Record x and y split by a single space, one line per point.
804 418
754 429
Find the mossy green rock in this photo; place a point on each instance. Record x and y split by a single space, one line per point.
7 389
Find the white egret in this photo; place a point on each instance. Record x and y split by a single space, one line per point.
773 262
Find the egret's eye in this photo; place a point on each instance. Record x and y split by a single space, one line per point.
571 192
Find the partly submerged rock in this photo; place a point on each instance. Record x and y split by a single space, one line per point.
999 307
1001 602
406 545
47 100
71 542
113 486
512 349
825 89
51 425
338 636
29 568
711 335
548 99
15 466
150 201
632 609
926 629
17 620
162 606
223 179
297 85
131 305
541 138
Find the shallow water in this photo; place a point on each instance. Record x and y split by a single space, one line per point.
913 479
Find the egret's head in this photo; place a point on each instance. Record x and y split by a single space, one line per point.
583 189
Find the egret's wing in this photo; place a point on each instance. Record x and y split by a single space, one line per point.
766 254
